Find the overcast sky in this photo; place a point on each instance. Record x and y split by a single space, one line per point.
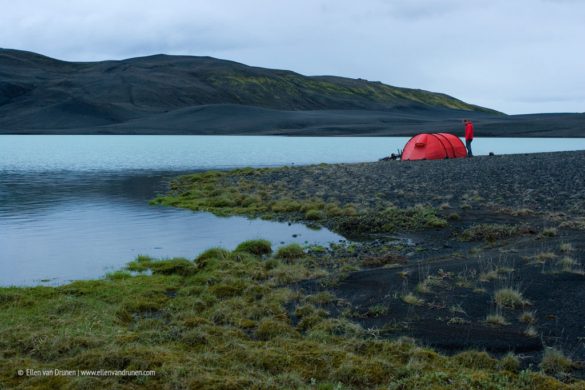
516 56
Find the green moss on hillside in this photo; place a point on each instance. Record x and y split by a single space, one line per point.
273 89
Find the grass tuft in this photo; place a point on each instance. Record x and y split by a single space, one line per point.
550 232
119 275
377 310
255 247
271 328
290 252
509 298
555 362
412 299
545 257
314 215
527 317
567 264
214 253
496 319
489 232
509 362
531 331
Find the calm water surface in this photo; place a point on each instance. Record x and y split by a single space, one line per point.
76 207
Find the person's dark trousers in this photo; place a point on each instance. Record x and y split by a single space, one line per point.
468 146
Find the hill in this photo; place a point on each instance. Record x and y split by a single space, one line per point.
163 94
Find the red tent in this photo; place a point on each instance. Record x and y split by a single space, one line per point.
433 147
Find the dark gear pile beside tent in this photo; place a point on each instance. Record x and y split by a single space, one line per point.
433 147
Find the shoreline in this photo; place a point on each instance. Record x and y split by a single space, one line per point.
439 241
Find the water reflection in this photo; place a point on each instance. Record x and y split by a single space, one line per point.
27 192
59 226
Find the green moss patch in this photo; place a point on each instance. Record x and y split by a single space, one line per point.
262 193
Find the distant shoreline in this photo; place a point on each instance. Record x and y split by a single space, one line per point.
245 120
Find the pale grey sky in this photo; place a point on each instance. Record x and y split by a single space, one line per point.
516 56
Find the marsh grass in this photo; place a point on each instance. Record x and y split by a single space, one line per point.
516 212
377 310
214 253
321 298
314 215
550 232
527 317
457 321
555 362
496 319
386 259
431 282
290 252
255 247
243 192
490 275
457 309
390 220
219 322
531 331
566 247
545 257
412 299
489 232
577 223
509 362
567 264
509 298
119 275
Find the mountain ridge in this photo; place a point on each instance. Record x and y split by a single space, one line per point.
378 94
37 91
167 94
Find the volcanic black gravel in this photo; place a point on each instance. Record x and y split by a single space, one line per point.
553 182
533 191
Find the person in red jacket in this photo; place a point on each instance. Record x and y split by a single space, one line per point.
468 136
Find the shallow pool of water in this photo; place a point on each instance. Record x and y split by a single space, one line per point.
60 226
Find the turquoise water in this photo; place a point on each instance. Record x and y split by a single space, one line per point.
101 152
76 207
95 153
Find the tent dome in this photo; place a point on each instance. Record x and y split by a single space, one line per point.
433 147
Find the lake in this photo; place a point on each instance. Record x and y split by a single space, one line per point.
76 207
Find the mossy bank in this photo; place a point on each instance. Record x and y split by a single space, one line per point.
226 320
